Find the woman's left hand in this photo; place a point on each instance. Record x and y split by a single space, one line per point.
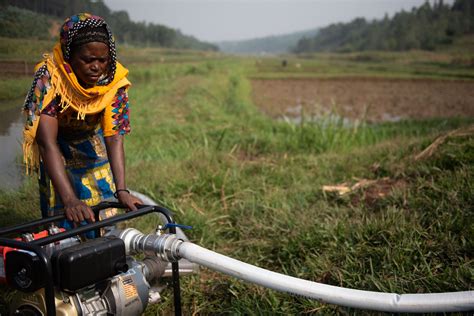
128 200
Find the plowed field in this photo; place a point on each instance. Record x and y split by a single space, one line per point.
372 99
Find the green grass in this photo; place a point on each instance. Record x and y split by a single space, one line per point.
29 50
251 188
13 88
415 64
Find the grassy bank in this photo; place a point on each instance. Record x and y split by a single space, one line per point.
252 188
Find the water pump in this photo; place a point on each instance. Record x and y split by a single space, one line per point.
56 272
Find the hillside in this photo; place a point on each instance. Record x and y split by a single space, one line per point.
427 27
275 44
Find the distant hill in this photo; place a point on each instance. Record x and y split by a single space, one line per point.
275 44
20 19
427 27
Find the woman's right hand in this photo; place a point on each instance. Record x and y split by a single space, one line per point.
78 211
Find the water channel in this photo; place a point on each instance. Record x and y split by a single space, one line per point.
11 127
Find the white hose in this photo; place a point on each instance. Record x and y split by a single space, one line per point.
387 302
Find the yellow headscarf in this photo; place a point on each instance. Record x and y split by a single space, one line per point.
84 101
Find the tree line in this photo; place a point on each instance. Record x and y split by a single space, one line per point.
17 20
425 27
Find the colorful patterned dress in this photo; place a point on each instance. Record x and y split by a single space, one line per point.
81 142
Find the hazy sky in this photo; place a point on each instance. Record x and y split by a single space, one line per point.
217 20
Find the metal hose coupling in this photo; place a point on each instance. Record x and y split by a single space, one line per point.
163 246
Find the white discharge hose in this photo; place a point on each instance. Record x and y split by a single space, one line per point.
387 302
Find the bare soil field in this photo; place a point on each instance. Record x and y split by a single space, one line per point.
371 99
16 67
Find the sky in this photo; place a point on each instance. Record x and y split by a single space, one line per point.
220 20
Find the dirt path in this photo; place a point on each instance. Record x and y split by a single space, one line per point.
373 98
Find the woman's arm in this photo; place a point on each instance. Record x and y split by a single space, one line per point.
116 155
75 209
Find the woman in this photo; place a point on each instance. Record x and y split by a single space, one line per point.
77 114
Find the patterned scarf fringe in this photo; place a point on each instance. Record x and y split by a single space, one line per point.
31 156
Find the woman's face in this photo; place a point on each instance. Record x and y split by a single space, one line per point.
89 62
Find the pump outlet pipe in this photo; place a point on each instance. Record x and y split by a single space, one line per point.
170 248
